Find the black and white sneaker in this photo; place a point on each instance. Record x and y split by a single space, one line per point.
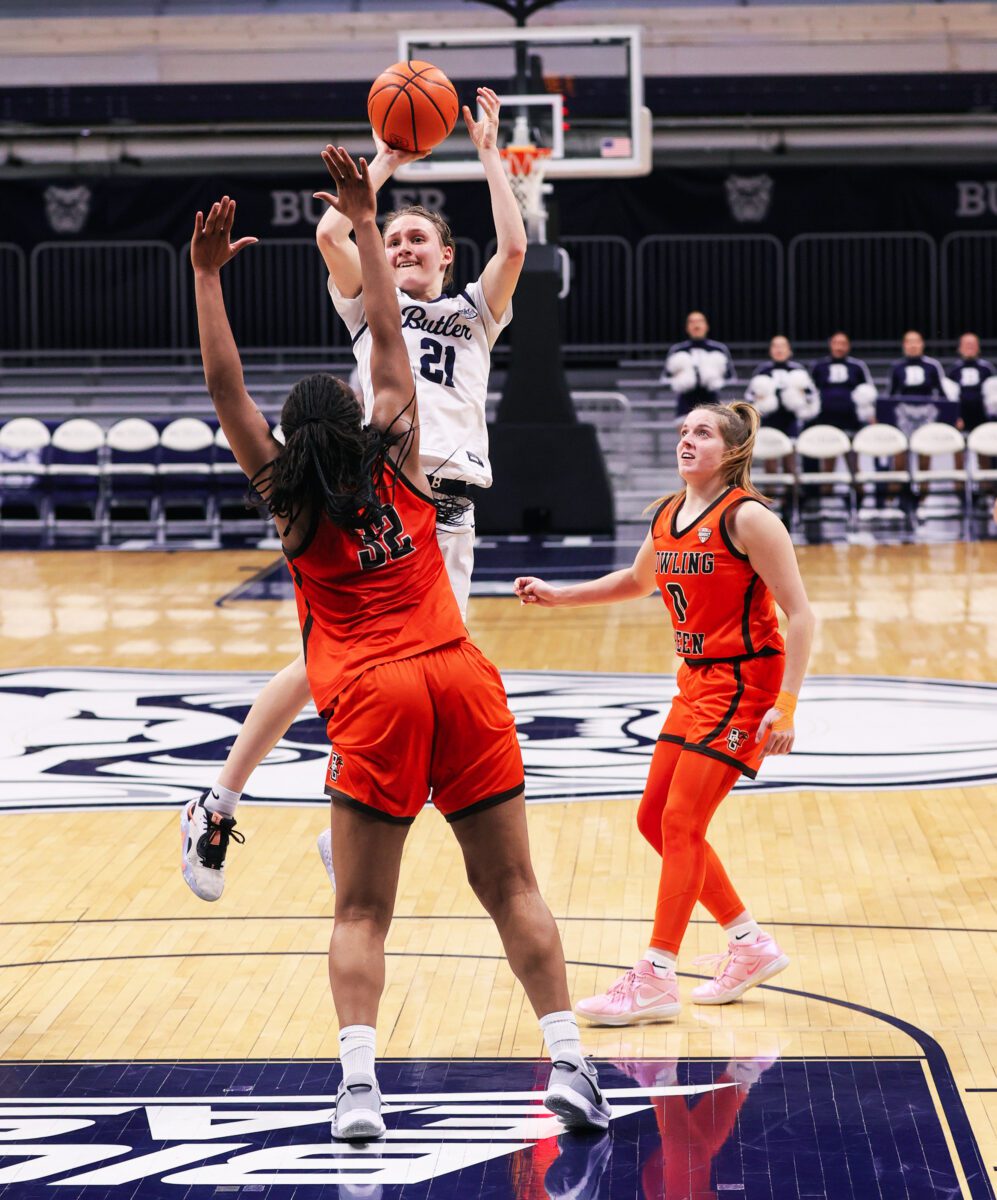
358 1109
204 839
574 1095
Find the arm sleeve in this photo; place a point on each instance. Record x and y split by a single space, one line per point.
475 293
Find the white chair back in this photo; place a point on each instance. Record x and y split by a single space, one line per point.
937 438
23 434
983 439
187 435
770 444
133 435
823 441
879 441
78 435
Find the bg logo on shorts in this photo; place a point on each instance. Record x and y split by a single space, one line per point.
736 739
335 764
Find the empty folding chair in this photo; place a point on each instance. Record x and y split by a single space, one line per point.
772 469
186 479
131 479
982 444
75 477
235 515
824 444
24 452
930 443
873 444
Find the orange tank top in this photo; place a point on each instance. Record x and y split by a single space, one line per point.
720 609
364 600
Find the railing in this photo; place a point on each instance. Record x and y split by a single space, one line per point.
969 268
92 295
736 279
108 300
13 297
866 283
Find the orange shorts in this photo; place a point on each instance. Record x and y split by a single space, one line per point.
437 722
718 710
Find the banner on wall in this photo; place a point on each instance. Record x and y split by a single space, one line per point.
781 201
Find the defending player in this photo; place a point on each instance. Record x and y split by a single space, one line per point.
411 703
449 340
722 561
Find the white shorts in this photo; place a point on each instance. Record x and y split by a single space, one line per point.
457 546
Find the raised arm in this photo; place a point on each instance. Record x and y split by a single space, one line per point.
502 271
766 542
246 428
392 383
629 584
338 249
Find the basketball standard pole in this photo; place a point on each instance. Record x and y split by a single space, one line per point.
550 474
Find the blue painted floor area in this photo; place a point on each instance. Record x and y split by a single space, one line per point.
757 1129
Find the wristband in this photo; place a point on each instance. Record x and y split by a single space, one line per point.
785 702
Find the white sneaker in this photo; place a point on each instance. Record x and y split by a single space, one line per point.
358 1110
204 839
325 853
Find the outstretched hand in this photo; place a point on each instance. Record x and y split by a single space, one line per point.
484 133
212 247
395 156
354 198
780 741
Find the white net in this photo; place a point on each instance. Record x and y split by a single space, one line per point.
524 167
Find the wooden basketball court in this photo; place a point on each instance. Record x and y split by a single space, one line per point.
884 899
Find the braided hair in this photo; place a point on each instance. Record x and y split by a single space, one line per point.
329 457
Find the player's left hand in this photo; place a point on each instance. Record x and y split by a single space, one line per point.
780 741
212 247
354 197
484 133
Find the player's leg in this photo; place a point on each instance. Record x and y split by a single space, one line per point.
365 901
496 849
206 824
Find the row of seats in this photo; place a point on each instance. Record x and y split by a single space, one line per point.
134 479
879 461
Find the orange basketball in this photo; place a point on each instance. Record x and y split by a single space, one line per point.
412 106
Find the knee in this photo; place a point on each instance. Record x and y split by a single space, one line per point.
679 829
496 889
372 917
649 824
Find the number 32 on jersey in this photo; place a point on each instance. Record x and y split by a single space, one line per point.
390 543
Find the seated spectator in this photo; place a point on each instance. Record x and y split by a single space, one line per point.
782 390
976 379
697 368
847 393
920 382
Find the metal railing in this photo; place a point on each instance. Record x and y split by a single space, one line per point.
968 271
93 295
599 307
13 296
737 279
872 284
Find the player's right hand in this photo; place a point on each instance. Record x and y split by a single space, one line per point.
397 158
531 590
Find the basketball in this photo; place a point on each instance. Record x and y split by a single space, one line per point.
412 106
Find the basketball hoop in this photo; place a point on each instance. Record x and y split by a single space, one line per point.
524 167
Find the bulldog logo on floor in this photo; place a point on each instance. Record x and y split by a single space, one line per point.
146 739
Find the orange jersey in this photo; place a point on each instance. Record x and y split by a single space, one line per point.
720 609
366 600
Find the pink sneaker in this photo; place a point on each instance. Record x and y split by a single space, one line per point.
742 967
638 996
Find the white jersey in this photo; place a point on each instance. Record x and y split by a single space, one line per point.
449 342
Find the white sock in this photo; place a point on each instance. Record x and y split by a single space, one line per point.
356 1049
744 931
560 1030
663 962
222 800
